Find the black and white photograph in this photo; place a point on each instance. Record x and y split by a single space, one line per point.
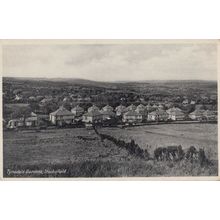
110 108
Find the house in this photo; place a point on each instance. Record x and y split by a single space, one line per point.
87 99
132 117
83 99
142 100
175 114
77 111
107 108
160 106
162 115
42 119
39 98
158 115
200 106
149 107
155 106
213 97
120 110
193 102
131 107
141 109
168 105
74 99
152 116
107 114
40 115
46 100
197 114
61 117
185 102
204 97
32 98
208 107
92 116
15 123
66 99
93 108
31 121
210 115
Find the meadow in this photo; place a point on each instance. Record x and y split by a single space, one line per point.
153 136
83 154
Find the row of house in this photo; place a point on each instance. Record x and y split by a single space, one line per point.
33 120
130 114
203 115
140 114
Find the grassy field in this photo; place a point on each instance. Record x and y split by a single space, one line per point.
83 154
153 136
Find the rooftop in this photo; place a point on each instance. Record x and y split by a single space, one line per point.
93 108
141 106
175 111
93 113
107 107
107 112
120 107
62 112
131 107
132 113
77 108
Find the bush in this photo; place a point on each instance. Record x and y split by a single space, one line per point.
176 153
131 147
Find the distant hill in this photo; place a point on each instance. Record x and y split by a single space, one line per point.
67 81
117 85
87 81
110 90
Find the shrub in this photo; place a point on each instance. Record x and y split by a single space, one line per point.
176 153
131 147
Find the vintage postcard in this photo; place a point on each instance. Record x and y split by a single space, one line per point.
109 109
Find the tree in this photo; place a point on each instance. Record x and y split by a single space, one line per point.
7 112
49 107
21 112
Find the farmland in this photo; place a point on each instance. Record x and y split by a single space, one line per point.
152 136
83 154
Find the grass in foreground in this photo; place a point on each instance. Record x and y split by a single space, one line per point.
81 153
132 168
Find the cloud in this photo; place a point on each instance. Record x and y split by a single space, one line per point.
112 62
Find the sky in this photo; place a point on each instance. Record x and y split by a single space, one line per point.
112 62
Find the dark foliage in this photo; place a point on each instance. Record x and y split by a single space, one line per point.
176 153
131 147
